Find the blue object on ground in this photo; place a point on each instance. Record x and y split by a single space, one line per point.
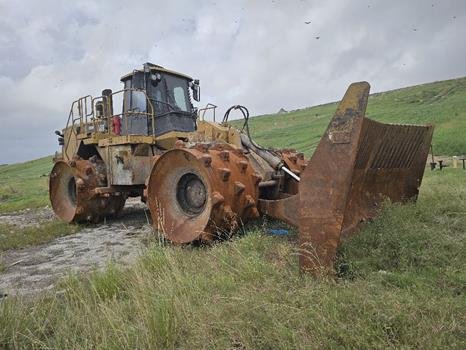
277 231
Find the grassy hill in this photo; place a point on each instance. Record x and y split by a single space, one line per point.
24 185
441 103
401 281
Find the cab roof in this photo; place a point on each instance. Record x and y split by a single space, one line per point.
156 68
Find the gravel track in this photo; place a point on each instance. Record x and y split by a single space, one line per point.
32 270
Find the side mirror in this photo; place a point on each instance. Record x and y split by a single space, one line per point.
196 90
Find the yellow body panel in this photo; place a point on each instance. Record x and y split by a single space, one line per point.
71 144
206 132
126 139
93 139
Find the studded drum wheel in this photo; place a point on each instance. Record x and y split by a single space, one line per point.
71 190
201 193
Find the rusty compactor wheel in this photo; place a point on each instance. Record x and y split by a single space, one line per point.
202 193
71 189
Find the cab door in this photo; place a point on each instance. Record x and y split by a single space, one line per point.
135 120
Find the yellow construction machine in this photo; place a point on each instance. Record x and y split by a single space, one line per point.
202 180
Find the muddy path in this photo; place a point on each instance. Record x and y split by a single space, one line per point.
32 270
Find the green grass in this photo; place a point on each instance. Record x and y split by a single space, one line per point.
441 103
402 284
24 185
401 281
15 237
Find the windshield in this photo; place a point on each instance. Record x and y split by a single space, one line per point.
171 91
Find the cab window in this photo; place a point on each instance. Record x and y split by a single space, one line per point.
180 99
138 101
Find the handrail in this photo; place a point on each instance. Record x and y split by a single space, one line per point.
84 114
106 100
71 118
209 106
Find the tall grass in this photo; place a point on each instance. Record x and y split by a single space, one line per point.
402 284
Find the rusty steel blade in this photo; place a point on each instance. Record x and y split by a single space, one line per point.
357 165
390 164
326 181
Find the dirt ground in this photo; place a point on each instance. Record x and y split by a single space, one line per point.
35 269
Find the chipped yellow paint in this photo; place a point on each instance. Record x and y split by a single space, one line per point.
126 139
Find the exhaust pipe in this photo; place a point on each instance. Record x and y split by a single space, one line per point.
107 103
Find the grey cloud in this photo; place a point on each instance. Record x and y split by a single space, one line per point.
39 33
257 53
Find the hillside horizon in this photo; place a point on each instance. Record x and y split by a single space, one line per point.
441 103
372 94
379 108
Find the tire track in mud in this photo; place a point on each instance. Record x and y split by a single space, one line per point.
31 270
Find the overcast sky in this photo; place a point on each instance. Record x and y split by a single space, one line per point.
261 54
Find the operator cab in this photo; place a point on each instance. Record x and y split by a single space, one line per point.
157 101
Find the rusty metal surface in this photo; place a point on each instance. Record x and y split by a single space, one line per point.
325 183
296 162
286 209
72 192
286 206
390 164
202 193
357 164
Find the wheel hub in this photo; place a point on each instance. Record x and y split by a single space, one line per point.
191 194
72 190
